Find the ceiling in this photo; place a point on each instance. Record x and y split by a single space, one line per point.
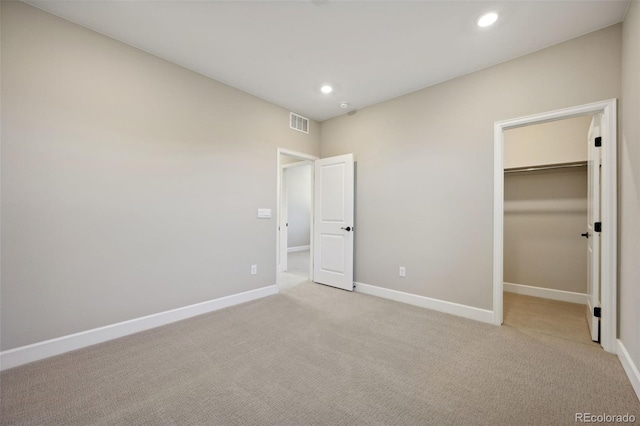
369 51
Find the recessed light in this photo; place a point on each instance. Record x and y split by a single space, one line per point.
487 19
344 105
326 89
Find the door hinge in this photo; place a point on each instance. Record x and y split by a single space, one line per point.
599 141
597 226
597 312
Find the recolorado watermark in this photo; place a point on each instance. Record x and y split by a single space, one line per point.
604 418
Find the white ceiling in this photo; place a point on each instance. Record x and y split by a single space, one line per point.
370 51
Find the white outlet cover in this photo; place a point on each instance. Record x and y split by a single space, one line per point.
264 213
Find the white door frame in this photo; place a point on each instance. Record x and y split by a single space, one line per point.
303 157
282 216
608 216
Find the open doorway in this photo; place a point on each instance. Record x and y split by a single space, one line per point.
604 296
331 221
545 220
295 218
295 221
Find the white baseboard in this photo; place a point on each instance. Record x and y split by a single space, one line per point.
57 346
464 311
299 248
547 293
629 367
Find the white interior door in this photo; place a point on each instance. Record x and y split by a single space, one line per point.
333 222
593 234
283 226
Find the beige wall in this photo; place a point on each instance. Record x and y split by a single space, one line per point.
629 186
425 165
544 214
561 141
129 185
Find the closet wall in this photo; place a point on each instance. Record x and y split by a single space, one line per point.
546 211
561 141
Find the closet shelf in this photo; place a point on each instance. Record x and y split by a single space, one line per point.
545 167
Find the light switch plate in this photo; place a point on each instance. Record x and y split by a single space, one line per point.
264 213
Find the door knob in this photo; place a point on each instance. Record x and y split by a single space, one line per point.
586 235
348 228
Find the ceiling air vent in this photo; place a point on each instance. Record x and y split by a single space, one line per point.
298 122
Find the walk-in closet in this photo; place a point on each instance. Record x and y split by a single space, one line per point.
545 215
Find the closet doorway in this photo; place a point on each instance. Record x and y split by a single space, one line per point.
538 206
545 213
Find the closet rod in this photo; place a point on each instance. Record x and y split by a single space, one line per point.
549 167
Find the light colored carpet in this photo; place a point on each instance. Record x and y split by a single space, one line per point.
298 263
315 355
297 270
560 319
288 280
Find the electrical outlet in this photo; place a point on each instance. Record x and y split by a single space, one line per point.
403 271
254 269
